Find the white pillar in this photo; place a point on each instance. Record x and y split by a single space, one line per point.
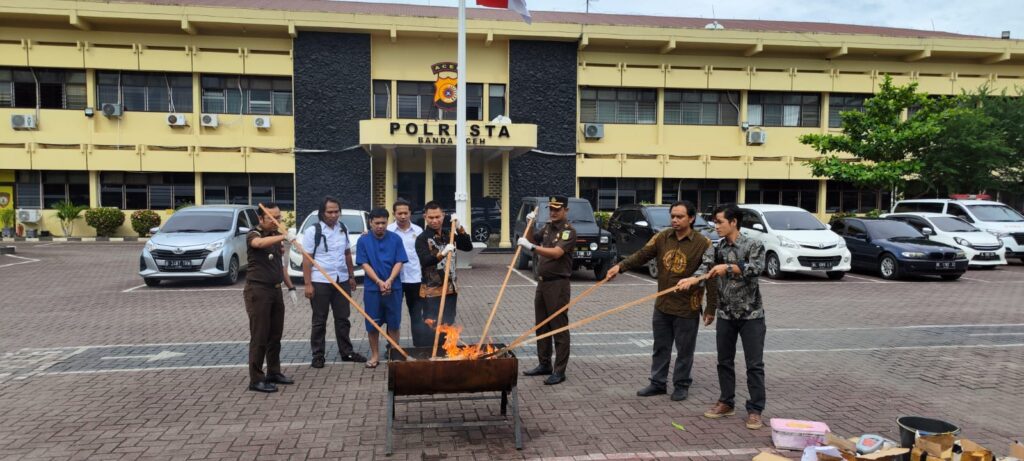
461 175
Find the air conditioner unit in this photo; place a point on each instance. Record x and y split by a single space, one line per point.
262 122
23 121
176 120
112 110
593 130
29 216
756 138
209 120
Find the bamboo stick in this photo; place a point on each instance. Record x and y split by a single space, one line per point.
501 292
394 344
444 288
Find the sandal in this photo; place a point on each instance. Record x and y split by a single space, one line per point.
372 364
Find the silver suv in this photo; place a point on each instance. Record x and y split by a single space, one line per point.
199 242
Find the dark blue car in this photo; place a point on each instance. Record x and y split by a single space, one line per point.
895 249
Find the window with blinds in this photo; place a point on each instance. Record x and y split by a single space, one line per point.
784 109
145 91
139 191
630 106
47 89
229 94
381 99
842 102
696 107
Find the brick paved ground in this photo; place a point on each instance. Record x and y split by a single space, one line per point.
856 354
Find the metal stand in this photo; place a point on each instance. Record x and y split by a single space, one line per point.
504 397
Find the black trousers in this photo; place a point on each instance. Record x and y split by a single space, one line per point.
264 305
551 296
668 330
422 335
752 332
327 299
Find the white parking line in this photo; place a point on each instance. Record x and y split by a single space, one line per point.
133 288
865 278
172 290
975 280
996 334
646 280
24 261
528 279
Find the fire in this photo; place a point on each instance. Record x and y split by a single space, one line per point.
452 348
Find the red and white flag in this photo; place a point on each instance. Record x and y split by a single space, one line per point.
519 6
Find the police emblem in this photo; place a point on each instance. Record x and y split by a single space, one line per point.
565 235
446 86
5 199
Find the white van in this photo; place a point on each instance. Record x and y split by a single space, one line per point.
795 241
993 217
981 248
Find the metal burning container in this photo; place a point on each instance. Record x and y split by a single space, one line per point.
425 377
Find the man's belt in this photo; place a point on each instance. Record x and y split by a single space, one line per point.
552 278
265 284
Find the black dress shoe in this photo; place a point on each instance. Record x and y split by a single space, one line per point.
279 378
538 370
262 386
353 357
318 362
679 394
555 378
650 390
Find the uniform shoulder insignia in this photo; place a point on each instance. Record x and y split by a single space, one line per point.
565 235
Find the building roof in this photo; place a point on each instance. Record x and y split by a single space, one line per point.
395 9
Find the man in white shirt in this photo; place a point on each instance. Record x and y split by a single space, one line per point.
327 242
411 273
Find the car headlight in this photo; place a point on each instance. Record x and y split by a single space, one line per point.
788 243
593 246
215 245
150 246
1000 235
841 244
604 239
960 254
912 254
960 241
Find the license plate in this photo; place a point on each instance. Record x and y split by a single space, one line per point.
987 255
179 263
582 254
945 265
821 265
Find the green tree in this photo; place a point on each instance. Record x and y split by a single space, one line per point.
970 154
1006 112
67 213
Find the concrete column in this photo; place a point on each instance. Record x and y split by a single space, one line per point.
390 177
741 191
506 238
822 199
199 188
824 112
94 189
657 190
467 221
428 172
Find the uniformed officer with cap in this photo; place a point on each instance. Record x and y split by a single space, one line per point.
264 302
553 247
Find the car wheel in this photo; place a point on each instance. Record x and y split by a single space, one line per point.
652 268
889 268
773 267
835 275
951 277
481 233
151 282
601 270
232 276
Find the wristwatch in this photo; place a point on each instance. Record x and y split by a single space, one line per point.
291 289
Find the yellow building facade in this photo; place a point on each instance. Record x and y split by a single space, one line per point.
664 109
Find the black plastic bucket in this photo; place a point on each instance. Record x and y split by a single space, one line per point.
910 426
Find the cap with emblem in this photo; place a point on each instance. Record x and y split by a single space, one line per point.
557 201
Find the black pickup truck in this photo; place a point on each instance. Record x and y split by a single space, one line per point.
593 244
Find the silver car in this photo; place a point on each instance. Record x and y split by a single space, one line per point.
199 242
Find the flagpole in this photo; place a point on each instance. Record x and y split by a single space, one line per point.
460 115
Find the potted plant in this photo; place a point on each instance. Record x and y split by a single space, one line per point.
67 213
7 219
144 220
104 220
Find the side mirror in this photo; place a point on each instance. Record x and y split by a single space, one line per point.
927 231
758 227
153 230
243 230
828 226
642 224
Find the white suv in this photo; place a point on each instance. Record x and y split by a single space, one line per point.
981 248
354 220
995 218
795 241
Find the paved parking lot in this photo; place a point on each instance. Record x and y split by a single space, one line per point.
95 365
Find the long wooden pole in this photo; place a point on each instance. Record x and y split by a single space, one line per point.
501 292
444 289
394 345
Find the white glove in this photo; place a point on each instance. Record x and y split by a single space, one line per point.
454 217
290 237
525 243
531 215
447 249
295 297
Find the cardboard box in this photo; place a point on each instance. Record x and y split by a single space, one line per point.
1017 449
940 448
849 451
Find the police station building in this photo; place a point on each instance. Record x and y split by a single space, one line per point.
155 103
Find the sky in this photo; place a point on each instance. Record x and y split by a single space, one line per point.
975 17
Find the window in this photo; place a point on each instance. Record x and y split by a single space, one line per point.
35 189
856 229
705 194
248 189
496 101
229 94
847 198
56 88
958 211
141 191
694 107
618 105
381 99
840 102
416 100
749 219
145 91
803 194
610 193
783 109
